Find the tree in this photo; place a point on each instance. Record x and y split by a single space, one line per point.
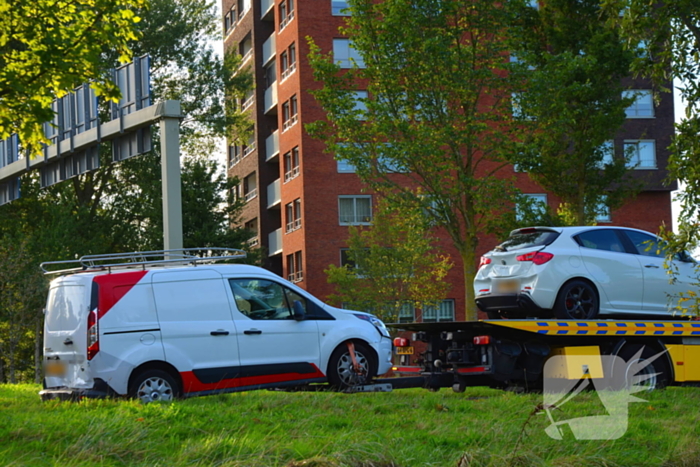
572 65
438 112
48 47
391 263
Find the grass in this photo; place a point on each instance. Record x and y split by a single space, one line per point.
482 427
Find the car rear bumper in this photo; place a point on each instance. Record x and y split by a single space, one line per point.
100 390
513 305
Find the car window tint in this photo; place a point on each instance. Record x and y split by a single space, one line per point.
527 239
260 299
646 245
600 239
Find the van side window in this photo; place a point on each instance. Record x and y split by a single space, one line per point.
263 299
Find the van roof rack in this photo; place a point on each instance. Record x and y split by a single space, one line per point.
143 259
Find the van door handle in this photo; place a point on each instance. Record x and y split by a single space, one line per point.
252 331
651 266
219 333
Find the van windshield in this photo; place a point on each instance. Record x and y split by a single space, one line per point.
66 307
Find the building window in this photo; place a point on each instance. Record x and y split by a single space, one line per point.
344 54
445 311
288 61
537 206
407 313
248 101
641 154
243 7
291 164
235 154
355 210
293 212
295 272
360 99
252 227
517 107
643 105
286 10
339 8
250 187
249 147
289 113
345 167
270 74
245 49
603 212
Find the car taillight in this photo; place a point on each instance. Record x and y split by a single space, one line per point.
484 261
400 342
537 257
482 340
93 336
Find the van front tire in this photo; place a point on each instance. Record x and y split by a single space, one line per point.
341 373
154 385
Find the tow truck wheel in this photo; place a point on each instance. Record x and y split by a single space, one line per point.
638 369
342 375
577 300
459 387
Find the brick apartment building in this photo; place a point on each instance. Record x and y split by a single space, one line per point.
300 200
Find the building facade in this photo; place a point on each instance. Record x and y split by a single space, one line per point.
300 200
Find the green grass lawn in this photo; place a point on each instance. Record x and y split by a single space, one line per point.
481 427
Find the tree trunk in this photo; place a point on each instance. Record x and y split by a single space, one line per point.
469 268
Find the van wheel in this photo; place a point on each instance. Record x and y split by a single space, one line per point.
577 300
341 373
154 385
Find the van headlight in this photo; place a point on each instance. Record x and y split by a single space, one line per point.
376 322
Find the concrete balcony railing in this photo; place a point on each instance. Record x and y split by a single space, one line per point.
274 194
274 240
268 49
272 146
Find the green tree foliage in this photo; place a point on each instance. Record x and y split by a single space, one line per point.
571 64
118 207
47 47
438 112
392 263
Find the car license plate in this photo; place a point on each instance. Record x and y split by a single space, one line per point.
54 368
404 350
507 286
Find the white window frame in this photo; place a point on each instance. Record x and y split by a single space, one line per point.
636 162
444 311
344 54
643 105
355 215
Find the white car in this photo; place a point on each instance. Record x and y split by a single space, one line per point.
160 329
580 273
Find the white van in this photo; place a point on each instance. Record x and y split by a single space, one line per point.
166 324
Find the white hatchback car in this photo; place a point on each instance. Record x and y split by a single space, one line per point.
580 273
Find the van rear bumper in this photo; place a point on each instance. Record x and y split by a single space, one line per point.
100 390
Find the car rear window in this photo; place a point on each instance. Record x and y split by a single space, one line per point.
527 238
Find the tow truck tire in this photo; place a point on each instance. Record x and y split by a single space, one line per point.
656 372
341 374
577 299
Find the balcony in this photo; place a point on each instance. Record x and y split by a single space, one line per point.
274 243
272 146
274 194
271 98
251 194
268 49
267 10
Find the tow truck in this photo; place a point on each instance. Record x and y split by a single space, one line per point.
512 353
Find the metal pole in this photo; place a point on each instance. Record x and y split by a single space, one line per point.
170 170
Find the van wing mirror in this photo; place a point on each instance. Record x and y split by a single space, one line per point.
298 310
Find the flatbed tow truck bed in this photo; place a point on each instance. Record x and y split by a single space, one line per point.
513 353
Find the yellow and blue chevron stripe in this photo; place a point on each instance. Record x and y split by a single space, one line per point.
603 328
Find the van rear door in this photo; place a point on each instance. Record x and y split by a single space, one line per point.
65 332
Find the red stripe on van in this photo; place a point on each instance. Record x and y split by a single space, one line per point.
190 382
113 287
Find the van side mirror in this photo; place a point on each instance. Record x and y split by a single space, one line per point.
298 310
